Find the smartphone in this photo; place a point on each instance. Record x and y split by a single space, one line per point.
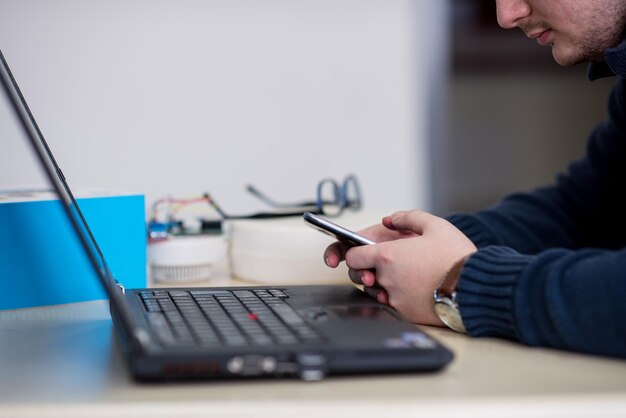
342 234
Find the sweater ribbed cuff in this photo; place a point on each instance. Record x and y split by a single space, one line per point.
485 292
472 228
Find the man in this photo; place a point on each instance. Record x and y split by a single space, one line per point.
547 268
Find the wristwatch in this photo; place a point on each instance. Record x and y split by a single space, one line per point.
446 306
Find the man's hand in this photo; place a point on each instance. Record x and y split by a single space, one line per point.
415 251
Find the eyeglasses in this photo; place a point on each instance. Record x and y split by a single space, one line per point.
331 200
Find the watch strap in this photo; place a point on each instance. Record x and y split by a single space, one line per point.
448 286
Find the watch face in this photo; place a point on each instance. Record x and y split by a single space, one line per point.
450 316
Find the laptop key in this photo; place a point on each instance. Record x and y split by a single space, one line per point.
278 293
235 342
286 340
197 293
237 318
261 340
178 293
287 313
216 342
161 328
167 305
243 293
153 308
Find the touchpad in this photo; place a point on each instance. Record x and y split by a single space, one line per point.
362 312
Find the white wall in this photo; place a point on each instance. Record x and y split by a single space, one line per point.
181 97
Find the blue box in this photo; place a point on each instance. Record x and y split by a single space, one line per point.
42 261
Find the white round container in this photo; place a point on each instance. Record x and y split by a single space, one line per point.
284 251
185 259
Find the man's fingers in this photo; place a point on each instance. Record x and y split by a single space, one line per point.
415 221
335 254
377 293
362 257
365 277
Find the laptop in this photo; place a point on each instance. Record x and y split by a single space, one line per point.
306 332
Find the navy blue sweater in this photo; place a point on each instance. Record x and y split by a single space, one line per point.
551 265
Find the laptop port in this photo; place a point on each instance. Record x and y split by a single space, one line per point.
312 366
252 365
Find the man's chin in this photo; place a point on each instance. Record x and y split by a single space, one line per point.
567 58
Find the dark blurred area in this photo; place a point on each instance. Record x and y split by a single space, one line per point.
516 118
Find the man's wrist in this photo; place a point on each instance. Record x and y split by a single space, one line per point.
446 306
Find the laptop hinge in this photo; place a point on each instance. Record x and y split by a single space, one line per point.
121 287
139 338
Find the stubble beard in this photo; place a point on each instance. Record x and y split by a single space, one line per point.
600 36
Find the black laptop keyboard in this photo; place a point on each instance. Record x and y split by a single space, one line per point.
225 318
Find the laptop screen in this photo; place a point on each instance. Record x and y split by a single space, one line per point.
60 186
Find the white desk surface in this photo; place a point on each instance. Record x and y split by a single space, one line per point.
62 361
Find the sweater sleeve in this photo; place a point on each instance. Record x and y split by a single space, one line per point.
560 298
551 265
